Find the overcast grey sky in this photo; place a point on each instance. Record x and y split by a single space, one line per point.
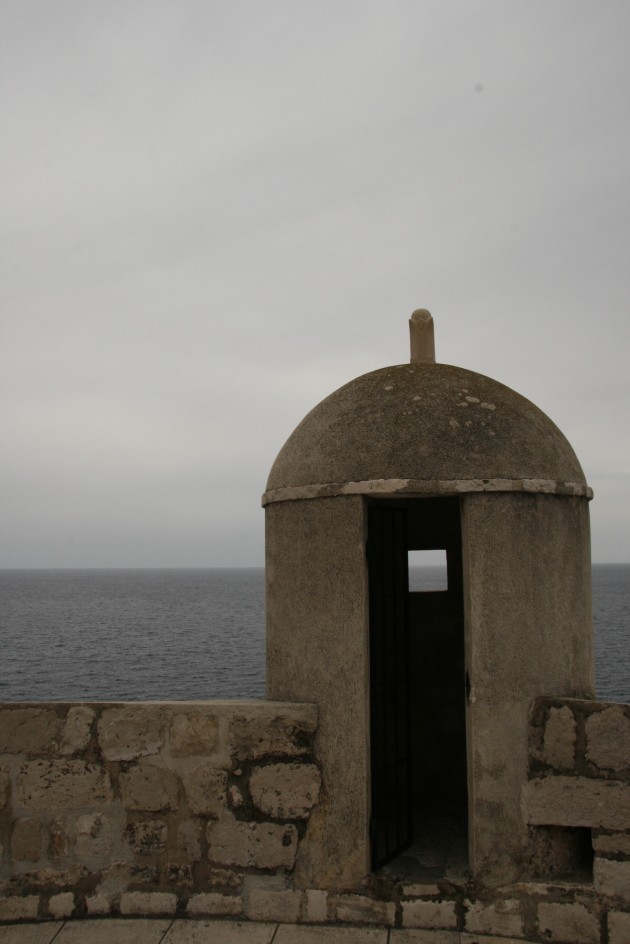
215 212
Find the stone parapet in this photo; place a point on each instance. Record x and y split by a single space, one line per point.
151 808
201 809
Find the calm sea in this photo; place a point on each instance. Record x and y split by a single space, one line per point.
193 634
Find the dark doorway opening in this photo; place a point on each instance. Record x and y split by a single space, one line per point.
417 688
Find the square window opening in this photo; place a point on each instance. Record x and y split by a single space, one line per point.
427 571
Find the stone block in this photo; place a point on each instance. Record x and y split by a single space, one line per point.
94 836
569 924
189 839
177 873
576 801
62 905
148 903
5 786
98 904
76 731
26 840
285 791
147 837
19 907
615 843
429 914
612 878
266 905
193 732
205 787
130 731
62 784
416 936
311 934
315 905
359 909
28 730
58 839
225 878
213 903
559 739
501 917
256 845
618 927
146 786
608 738
278 730
466 938
420 890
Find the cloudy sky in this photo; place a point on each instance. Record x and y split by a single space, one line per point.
215 212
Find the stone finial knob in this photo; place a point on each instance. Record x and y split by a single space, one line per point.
421 337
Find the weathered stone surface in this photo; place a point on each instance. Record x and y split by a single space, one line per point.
411 936
311 934
266 905
608 738
362 910
315 905
205 789
285 791
26 840
58 840
147 837
235 797
27 730
98 905
213 903
116 931
62 784
576 801
283 731
225 877
148 903
130 731
146 786
420 890
16 908
618 927
193 732
94 836
189 839
258 845
612 842
429 914
502 917
75 736
198 931
179 874
567 923
612 878
62 905
559 740
5 786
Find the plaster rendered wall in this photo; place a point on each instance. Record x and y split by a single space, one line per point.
317 643
152 807
528 633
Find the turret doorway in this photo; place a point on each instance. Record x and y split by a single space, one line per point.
417 688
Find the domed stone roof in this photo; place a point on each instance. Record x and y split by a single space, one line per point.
424 428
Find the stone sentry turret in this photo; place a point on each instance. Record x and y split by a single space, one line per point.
424 697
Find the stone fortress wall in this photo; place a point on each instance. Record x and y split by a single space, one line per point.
202 808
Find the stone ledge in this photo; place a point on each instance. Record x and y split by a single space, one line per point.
576 801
